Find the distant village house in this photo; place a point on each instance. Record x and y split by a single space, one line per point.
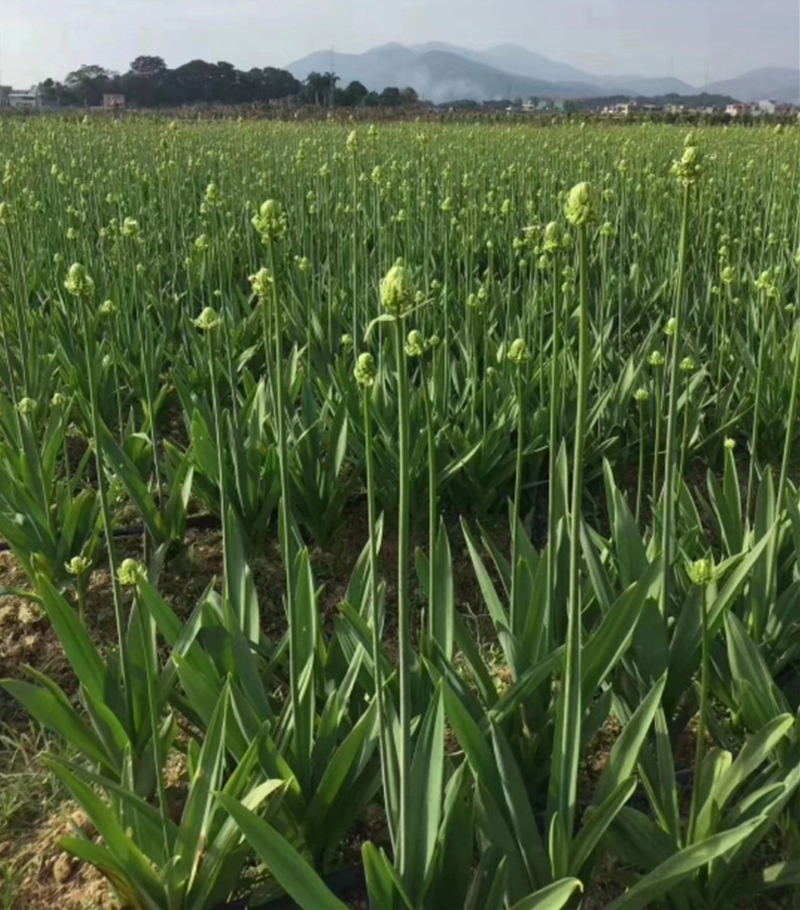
26 99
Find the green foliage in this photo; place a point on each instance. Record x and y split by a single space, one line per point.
503 365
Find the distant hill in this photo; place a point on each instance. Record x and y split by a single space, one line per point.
647 85
443 73
437 75
771 83
511 58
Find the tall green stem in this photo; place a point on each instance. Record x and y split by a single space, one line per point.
404 835
517 504
701 721
433 605
552 454
787 443
376 617
105 509
668 502
572 707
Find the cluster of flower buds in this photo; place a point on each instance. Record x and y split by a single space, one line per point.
365 370
689 167
397 290
78 281
270 222
261 283
518 352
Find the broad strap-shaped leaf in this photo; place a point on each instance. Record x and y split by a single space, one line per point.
288 867
553 897
383 883
488 885
625 752
135 865
596 822
753 753
128 475
425 784
55 712
195 825
681 866
519 809
611 639
83 656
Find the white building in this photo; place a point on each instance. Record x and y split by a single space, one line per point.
738 109
24 99
621 110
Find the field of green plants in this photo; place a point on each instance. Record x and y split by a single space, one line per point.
535 388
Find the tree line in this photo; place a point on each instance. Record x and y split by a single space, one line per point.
149 82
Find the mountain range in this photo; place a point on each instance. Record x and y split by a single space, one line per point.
442 73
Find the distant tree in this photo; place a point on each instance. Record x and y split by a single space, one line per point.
279 83
351 96
320 88
90 82
410 96
391 97
196 82
151 83
148 66
57 93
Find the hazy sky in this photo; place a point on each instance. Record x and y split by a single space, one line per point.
686 38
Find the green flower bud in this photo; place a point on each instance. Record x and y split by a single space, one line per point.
270 222
766 284
552 237
671 327
365 370
656 359
701 572
26 406
108 308
687 365
397 290
207 320
730 444
78 565
78 282
352 143
261 283
130 228
642 396
580 208
58 400
415 344
727 275
518 352
688 169
131 573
